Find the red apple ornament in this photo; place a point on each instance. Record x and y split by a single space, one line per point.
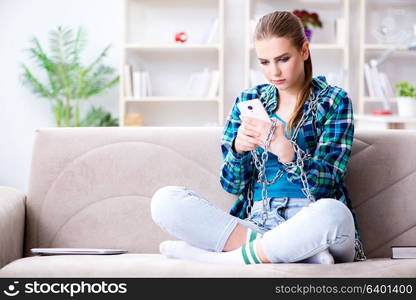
181 37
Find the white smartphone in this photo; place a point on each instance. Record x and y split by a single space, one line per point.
254 109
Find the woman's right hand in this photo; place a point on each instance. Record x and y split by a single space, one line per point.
246 140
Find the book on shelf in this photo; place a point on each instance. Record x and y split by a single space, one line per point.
128 87
141 84
403 252
199 84
137 84
375 77
146 84
205 77
378 84
211 36
214 84
386 85
340 31
369 81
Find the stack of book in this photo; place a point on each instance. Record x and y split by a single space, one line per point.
203 84
378 84
210 34
403 252
137 83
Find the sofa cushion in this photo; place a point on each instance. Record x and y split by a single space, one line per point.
91 187
156 265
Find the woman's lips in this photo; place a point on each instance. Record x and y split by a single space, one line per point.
278 81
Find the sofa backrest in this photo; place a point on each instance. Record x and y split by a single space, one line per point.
381 179
91 187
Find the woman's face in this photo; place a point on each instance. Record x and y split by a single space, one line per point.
279 60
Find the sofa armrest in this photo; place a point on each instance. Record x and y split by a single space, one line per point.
12 223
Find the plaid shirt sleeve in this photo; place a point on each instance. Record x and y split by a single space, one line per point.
236 168
327 166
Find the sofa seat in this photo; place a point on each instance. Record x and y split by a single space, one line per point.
92 188
156 265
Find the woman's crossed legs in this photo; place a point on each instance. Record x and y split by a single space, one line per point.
209 234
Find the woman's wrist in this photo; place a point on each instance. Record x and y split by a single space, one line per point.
283 149
234 148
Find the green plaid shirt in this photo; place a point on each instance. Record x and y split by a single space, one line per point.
328 132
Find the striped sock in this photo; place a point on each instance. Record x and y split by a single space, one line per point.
248 251
243 255
252 235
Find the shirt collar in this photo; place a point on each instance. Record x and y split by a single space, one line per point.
269 93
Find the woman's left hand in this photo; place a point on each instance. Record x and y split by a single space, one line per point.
279 145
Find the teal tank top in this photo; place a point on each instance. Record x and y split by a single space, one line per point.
282 187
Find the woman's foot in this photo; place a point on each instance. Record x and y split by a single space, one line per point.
323 257
182 250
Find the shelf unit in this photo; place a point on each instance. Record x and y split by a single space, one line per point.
372 45
148 45
392 121
327 46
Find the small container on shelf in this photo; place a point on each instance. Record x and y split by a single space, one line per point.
133 119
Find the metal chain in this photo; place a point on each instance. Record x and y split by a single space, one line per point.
359 251
260 165
262 176
298 164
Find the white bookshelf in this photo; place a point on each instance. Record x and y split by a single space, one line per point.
149 46
327 47
170 99
401 15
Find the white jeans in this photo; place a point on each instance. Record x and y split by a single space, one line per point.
295 228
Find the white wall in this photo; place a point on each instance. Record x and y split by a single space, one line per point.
20 111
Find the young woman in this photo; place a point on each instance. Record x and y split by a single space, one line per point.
293 205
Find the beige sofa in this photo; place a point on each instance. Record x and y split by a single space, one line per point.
91 187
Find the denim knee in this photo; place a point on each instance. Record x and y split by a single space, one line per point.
336 214
165 202
187 216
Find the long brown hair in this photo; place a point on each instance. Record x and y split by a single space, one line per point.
286 24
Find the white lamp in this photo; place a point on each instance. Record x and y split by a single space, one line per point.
374 63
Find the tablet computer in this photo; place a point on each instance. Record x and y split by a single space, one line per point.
75 251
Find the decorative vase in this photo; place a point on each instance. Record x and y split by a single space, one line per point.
181 37
406 106
133 119
308 33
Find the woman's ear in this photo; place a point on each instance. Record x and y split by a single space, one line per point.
305 50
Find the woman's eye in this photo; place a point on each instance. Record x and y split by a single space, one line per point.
282 60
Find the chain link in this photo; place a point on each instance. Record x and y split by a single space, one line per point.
260 164
291 167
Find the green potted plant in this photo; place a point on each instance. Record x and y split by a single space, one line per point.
98 117
406 99
69 81
308 19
